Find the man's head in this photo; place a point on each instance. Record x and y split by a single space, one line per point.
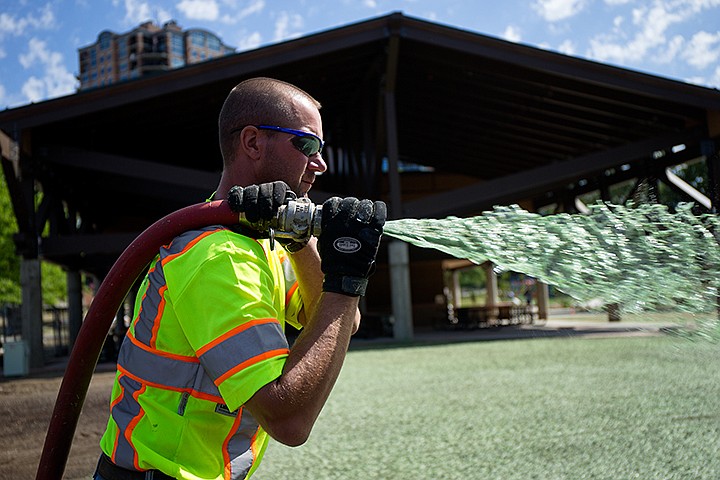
270 130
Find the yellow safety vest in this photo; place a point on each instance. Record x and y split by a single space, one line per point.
207 333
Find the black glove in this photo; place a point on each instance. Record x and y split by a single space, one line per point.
348 244
260 204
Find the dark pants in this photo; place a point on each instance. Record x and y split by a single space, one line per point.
106 470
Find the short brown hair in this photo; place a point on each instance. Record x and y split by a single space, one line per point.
256 101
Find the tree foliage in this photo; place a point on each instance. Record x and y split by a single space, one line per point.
53 276
9 261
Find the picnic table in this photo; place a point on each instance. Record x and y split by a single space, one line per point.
485 316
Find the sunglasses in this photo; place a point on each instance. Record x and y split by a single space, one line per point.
307 143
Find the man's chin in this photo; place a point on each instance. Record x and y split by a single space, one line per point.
303 189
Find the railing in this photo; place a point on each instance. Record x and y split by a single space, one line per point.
10 323
470 318
56 334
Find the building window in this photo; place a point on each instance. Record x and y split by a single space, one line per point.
213 43
105 40
197 39
178 45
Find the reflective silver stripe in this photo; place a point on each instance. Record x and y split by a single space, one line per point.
150 304
124 412
240 446
180 242
153 297
248 344
167 372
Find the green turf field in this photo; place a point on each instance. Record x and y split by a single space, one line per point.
567 408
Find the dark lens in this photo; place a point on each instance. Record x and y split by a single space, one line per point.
309 146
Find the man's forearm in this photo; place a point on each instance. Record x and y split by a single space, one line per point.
306 265
288 407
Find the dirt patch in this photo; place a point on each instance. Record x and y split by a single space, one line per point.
26 407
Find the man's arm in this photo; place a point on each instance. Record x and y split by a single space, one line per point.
288 407
351 229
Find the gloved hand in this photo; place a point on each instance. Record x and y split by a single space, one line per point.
260 204
348 244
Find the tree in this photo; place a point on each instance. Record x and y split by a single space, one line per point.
54 283
9 261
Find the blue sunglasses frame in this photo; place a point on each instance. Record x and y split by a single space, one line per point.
307 143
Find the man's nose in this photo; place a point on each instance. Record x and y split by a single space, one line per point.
316 163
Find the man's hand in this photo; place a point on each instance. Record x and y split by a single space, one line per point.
260 204
348 244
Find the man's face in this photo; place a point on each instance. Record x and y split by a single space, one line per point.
283 161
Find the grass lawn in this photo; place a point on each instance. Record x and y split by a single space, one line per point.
568 408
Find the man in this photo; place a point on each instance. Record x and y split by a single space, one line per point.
205 372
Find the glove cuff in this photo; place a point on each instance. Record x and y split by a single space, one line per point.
352 286
293 247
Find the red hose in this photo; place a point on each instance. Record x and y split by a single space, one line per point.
112 292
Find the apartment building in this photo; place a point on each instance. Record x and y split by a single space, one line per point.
146 49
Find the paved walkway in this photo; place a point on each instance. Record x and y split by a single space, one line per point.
581 325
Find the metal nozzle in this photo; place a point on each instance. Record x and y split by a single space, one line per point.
298 219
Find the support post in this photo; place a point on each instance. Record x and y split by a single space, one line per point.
400 285
75 311
491 284
543 299
456 294
712 154
32 324
398 251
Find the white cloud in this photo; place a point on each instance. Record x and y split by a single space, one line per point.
137 12
255 6
288 26
567 47
34 89
715 80
671 50
43 20
617 2
56 80
370 3
652 22
199 9
555 10
512 34
702 50
250 42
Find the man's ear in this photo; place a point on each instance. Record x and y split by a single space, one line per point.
251 142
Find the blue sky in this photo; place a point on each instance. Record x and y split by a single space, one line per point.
678 39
